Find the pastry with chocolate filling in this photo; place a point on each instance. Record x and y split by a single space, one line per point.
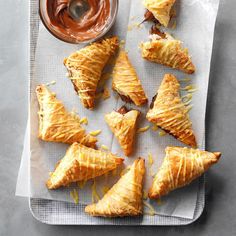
169 112
123 124
126 82
164 49
86 65
160 9
56 124
80 164
125 197
180 167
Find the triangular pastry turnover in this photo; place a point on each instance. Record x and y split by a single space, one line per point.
126 82
179 168
164 49
82 163
169 112
123 124
125 197
56 124
86 65
160 9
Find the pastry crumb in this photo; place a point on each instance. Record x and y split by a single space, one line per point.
150 160
155 128
104 147
174 24
51 83
84 121
162 133
143 129
122 43
132 17
185 80
95 133
106 94
145 195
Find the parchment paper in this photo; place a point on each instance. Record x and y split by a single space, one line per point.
195 23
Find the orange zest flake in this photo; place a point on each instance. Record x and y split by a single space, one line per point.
143 129
75 196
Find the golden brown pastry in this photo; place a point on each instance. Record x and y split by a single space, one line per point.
168 111
167 51
125 197
160 9
179 168
56 124
123 124
80 164
85 68
126 83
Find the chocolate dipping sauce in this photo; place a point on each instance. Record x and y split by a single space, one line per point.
93 18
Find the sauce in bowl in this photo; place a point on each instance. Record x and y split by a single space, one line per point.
94 17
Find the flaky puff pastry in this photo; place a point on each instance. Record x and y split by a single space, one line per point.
167 51
85 68
160 9
125 197
125 81
124 128
170 113
82 163
56 124
179 168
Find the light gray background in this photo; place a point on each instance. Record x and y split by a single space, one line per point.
219 217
